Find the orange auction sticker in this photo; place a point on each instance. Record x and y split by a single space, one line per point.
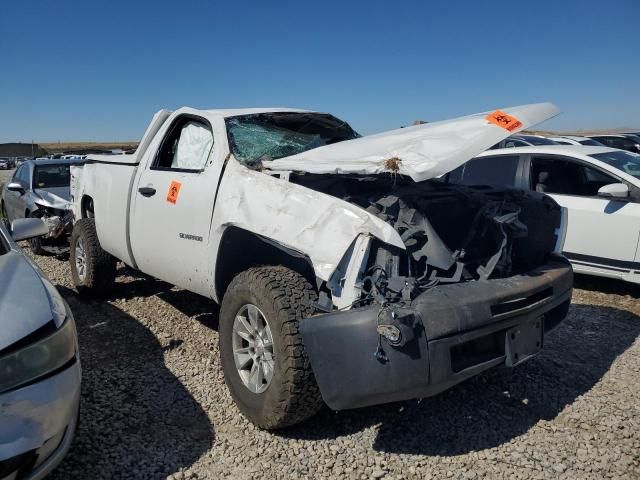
174 190
504 120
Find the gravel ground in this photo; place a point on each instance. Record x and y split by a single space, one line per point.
154 403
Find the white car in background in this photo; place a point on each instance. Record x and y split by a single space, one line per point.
523 141
576 140
599 187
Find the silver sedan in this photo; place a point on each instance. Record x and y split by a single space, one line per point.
40 188
39 363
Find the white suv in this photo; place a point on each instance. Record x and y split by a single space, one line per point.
599 186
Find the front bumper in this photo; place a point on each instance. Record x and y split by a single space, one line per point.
37 423
454 332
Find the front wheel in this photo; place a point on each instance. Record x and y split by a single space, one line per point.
35 243
263 357
5 217
93 270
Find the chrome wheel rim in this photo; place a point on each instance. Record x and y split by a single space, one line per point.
80 259
253 348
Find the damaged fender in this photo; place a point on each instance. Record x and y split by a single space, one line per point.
301 219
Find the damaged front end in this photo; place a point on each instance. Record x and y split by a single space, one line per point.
59 220
477 285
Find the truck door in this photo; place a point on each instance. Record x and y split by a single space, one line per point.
172 204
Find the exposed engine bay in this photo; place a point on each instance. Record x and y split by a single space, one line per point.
452 233
59 222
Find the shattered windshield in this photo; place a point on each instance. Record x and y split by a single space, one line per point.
628 162
269 136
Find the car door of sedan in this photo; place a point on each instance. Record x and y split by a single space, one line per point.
14 201
602 233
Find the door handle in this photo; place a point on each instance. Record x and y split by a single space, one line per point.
147 191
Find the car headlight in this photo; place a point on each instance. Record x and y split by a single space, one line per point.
39 358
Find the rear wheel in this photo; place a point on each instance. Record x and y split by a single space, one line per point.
263 357
93 270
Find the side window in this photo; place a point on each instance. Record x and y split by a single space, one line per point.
496 171
185 147
16 174
627 143
514 143
566 177
617 142
22 176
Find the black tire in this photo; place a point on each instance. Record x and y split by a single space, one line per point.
100 266
284 297
5 218
35 243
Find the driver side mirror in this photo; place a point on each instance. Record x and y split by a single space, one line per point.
26 228
15 187
614 190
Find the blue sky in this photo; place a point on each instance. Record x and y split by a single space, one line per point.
93 71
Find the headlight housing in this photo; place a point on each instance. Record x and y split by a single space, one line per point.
39 358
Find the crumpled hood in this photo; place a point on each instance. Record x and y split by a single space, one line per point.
24 301
422 151
55 197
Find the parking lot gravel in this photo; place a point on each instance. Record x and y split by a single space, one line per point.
154 402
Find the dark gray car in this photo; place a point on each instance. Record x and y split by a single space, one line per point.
622 141
40 188
39 363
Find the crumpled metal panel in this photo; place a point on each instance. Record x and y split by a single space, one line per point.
55 197
421 151
321 226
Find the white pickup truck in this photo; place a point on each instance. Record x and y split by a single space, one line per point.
347 273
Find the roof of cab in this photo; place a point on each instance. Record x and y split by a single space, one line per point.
235 112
